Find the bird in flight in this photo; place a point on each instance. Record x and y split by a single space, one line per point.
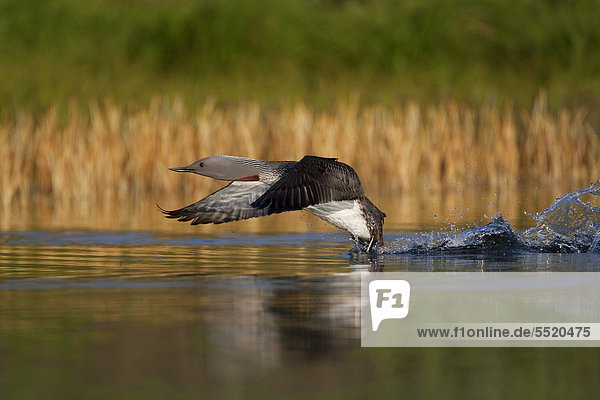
325 187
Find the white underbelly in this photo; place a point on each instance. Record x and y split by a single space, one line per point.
345 215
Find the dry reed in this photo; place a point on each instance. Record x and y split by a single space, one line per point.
106 155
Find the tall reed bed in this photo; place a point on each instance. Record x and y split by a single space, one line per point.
111 155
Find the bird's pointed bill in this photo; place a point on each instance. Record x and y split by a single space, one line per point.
182 169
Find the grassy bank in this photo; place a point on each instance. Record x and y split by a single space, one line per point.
316 51
111 155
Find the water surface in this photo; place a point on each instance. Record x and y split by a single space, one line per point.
150 314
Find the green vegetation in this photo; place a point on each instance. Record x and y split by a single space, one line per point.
312 50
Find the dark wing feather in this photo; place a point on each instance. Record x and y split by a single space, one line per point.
231 203
312 180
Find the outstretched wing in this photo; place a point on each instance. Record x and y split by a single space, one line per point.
312 180
231 203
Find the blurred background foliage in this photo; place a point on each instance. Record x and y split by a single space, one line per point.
315 51
98 98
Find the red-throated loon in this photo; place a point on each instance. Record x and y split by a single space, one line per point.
327 188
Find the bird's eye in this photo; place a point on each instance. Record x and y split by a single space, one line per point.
201 164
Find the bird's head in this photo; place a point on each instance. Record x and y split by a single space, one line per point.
227 168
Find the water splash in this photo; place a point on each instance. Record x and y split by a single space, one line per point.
497 234
571 224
